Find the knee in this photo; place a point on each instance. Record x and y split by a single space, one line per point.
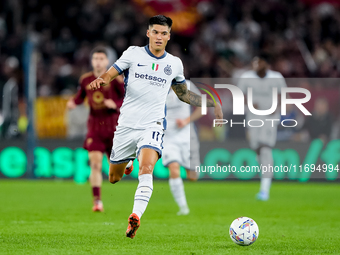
145 168
96 166
114 179
174 174
174 169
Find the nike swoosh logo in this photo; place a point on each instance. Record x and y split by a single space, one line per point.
140 65
144 191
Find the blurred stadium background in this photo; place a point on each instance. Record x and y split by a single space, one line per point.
45 47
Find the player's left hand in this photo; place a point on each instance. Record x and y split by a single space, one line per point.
97 83
109 103
218 113
181 123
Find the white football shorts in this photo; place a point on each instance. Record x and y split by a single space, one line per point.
128 142
181 147
263 136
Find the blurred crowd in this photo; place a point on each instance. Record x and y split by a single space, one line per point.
303 40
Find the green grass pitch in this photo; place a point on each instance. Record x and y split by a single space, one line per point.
55 217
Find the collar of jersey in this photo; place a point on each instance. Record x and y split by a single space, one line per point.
152 55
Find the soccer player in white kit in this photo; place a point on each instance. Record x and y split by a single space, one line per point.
262 80
149 73
181 146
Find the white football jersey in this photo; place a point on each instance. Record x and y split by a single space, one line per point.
262 87
148 80
176 109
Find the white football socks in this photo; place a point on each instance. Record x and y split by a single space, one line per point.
265 184
266 159
177 190
143 194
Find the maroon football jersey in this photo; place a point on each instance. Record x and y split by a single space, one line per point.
101 119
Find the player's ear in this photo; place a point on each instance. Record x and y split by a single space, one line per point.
148 33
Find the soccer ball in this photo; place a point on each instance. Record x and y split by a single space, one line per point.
244 231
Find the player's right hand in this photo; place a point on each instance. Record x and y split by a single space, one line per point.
181 123
97 83
71 104
218 113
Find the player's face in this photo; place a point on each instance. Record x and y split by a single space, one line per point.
158 36
99 61
259 65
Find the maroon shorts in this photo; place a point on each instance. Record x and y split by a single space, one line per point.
99 142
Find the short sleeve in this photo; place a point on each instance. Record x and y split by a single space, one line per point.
180 74
124 62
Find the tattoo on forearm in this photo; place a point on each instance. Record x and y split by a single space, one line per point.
190 97
180 89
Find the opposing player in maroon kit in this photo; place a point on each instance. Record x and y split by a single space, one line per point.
104 112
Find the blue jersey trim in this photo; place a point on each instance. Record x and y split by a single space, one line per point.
152 55
174 82
117 68
121 161
126 79
164 120
162 141
150 147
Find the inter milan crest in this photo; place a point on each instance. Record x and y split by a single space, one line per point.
167 70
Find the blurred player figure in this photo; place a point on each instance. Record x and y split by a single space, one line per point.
262 139
181 146
149 73
104 111
319 125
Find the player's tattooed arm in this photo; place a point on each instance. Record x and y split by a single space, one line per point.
188 96
192 98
